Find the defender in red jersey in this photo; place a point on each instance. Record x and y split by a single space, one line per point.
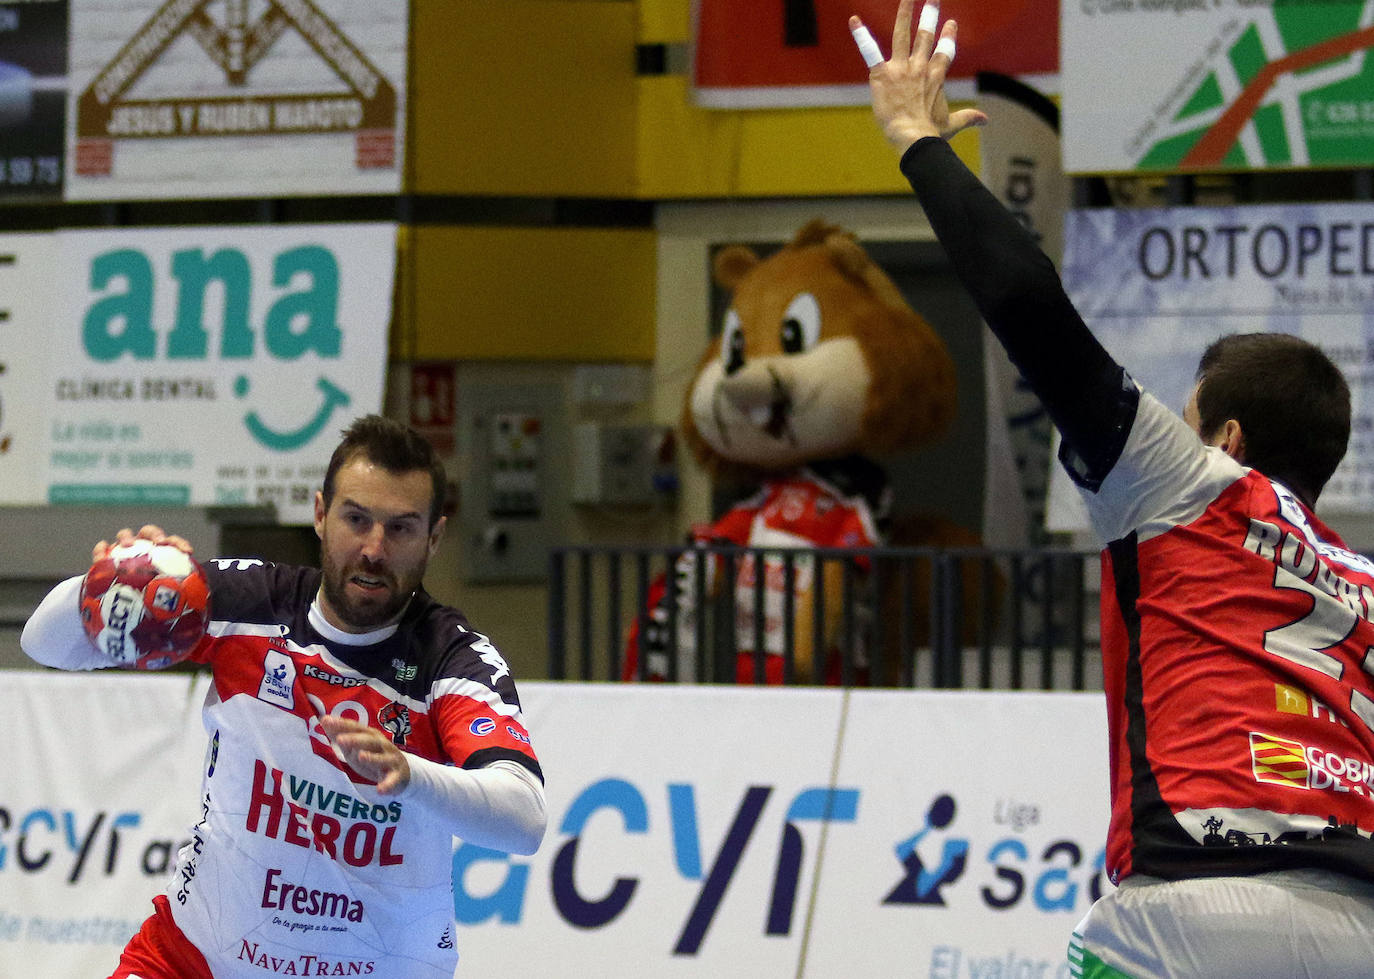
355 727
1237 629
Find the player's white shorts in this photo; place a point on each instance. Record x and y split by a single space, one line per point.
1284 924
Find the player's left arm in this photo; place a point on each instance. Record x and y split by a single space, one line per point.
500 806
53 635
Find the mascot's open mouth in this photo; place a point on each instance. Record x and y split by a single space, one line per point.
773 417
779 421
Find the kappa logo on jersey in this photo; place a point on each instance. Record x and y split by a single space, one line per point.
278 680
395 721
333 679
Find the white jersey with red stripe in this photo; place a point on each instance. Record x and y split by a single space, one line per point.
298 866
804 510
1237 647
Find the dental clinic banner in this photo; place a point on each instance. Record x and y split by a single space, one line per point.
693 831
1217 84
201 366
1157 286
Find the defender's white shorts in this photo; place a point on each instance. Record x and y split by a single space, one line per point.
1286 924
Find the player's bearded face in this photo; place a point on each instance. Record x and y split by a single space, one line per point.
375 542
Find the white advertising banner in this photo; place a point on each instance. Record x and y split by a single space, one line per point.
714 831
194 98
744 832
1168 85
98 795
202 366
1157 286
979 838
27 265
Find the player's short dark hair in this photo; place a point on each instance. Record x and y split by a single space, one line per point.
1291 401
395 447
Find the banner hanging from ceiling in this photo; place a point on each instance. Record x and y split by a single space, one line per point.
800 53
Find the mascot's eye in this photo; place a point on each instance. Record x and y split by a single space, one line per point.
801 324
732 343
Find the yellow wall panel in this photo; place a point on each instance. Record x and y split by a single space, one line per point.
686 151
523 98
496 293
664 21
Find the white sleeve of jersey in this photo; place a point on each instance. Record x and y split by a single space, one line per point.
1165 477
500 806
53 635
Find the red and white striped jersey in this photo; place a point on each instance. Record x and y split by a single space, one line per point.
801 511
297 866
1238 648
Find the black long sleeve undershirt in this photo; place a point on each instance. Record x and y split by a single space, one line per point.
1089 397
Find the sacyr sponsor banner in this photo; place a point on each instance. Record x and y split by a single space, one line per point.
800 52
1217 84
212 365
92 812
810 833
1156 286
191 98
685 826
692 830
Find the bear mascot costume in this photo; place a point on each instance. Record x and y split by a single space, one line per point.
821 366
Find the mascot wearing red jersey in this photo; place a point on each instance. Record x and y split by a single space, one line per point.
820 367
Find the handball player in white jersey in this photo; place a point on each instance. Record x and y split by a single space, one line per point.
355 727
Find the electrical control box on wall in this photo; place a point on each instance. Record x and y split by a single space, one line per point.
512 498
627 464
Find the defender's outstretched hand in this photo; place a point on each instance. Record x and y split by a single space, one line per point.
908 89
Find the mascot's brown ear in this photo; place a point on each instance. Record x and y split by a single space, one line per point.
731 264
854 262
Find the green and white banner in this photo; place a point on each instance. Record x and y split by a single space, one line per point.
204 366
1194 85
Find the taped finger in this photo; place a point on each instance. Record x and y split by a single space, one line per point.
868 48
945 46
930 16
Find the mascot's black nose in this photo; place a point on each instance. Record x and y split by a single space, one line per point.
779 407
734 354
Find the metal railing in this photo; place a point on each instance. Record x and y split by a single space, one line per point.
906 617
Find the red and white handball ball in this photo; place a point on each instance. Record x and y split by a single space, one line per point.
145 605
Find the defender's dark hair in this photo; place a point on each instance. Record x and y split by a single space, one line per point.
394 447
1291 401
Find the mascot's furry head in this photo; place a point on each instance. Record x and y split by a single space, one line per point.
820 357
